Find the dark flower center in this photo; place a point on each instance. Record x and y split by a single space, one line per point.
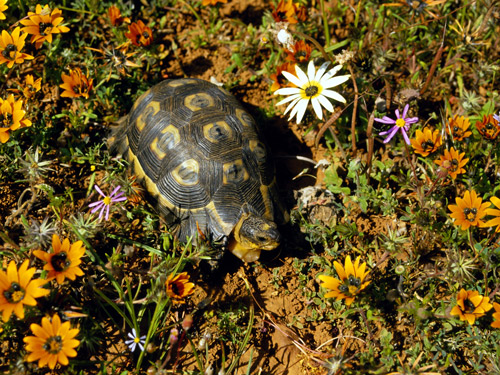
45 28
469 306
428 145
300 55
453 165
53 345
177 289
9 52
6 119
311 91
60 261
470 213
14 294
350 286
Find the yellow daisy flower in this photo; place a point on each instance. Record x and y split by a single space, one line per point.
453 162
3 8
76 84
469 210
18 289
494 212
11 117
470 305
11 46
350 283
458 127
31 86
64 260
496 315
42 24
53 342
179 287
426 142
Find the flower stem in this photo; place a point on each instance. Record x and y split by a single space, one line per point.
325 22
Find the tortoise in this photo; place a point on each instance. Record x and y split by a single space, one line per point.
199 155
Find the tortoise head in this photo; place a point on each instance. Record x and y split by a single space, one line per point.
251 235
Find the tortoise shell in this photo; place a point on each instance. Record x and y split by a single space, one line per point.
199 155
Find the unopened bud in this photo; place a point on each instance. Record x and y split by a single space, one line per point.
187 322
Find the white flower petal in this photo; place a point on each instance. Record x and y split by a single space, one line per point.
321 71
311 70
301 109
287 91
317 108
290 98
291 105
325 103
301 76
334 95
296 81
332 72
335 81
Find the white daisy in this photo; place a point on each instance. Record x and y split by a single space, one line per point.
311 87
135 341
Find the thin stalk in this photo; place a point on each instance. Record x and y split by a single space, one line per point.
354 109
325 22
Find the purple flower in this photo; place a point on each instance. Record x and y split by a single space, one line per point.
401 122
135 341
107 201
497 117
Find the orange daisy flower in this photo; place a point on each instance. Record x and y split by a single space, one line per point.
139 34
350 283
494 212
76 84
63 261
496 315
212 2
278 78
3 8
53 342
453 162
301 52
18 289
115 16
11 117
11 46
457 127
471 305
285 12
179 287
300 12
42 24
469 210
31 86
489 128
426 142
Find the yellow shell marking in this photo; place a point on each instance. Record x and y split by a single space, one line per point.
167 141
234 172
198 101
151 109
187 173
217 132
258 149
244 117
264 190
154 148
